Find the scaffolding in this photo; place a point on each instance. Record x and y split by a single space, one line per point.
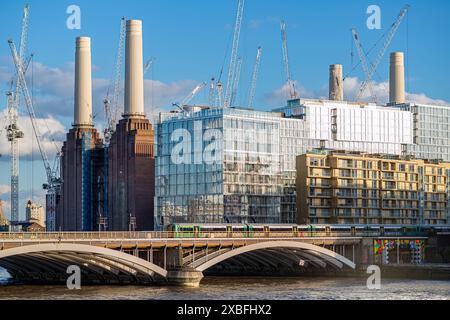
86 181
103 221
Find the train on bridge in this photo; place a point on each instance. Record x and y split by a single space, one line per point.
183 230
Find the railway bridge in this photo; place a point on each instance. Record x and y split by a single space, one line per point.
173 258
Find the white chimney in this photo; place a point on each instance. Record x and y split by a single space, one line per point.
336 86
397 79
134 70
83 83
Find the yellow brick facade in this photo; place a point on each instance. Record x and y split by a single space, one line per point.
337 187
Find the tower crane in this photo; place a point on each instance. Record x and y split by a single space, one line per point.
148 65
53 181
251 94
387 41
212 91
112 107
292 91
365 67
182 106
193 93
219 101
237 77
233 68
13 133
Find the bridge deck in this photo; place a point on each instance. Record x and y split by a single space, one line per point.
148 256
131 240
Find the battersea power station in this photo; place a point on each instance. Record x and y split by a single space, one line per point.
108 187
311 161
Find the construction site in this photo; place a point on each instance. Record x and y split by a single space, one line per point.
107 181
100 180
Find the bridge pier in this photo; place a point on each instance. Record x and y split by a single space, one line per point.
184 277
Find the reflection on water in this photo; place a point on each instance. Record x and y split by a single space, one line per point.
245 288
3 276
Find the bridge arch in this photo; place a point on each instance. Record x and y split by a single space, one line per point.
305 251
102 262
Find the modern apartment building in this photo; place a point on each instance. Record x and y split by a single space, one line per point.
356 188
253 178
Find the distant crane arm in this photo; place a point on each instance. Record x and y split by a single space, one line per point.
252 92
29 104
292 92
237 77
148 65
234 55
362 57
193 93
386 43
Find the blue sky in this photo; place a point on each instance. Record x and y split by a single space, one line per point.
190 39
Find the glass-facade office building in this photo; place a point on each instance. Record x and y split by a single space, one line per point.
218 166
232 165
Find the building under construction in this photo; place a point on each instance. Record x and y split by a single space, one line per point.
108 187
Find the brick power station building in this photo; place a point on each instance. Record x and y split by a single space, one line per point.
108 187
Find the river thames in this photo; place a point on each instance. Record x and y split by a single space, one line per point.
243 288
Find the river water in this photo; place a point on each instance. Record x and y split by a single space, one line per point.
234 288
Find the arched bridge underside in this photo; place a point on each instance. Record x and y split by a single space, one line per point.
49 262
272 256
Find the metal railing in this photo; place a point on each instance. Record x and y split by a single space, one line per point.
163 235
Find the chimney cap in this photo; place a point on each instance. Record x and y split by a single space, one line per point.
397 55
134 25
83 42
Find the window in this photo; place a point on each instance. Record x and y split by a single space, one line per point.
314 162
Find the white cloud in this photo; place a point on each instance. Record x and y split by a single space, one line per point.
280 95
52 134
158 96
4 189
351 88
422 98
54 89
381 91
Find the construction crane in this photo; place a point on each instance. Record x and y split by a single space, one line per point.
148 65
292 91
193 93
219 101
252 92
13 133
233 68
183 105
387 41
111 107
237 77
53 184
212 91
365 67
